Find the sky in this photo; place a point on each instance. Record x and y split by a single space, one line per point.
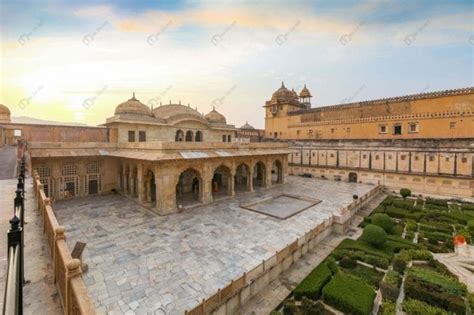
75 61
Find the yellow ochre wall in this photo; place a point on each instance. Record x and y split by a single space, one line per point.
434 116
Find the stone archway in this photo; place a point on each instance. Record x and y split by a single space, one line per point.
242 178
179 136
259 175
189 136
352 177
221 182
198 136
189 188
150 187
277 172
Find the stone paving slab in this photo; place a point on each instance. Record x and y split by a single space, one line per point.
145 263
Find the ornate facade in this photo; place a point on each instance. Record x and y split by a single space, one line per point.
435 115
168 158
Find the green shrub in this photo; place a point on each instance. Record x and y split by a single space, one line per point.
384 221
399 264
409 235
411 225
446 283
349 244
415 307
436 227
290 308
470 226
388 200
390 285
388 308
438 202
462 218
311 285
470 299
349 295
374 235
348 262
376 261
369 275
403 214
309 307
468 207
401 260
405 192
430 206
433 294
332 265
406 204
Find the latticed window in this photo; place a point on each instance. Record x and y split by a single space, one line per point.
92 168
44 171
69 170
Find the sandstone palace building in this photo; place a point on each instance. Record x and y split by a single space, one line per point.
167 159
421 141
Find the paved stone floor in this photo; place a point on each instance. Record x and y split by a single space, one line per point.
145 263
281 206
40 295
7 161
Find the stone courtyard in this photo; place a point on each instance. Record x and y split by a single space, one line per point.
140 262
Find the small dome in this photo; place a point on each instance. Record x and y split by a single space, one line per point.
305 92
133 106
295 95
174 110
4 114
282 94
247 126
215 116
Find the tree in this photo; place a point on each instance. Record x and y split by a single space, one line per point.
309 307
384 221
374 235
405 192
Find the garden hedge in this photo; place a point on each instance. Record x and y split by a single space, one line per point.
384 221
366 248
349 295
374 235
311 285
404 204
415 307
405 192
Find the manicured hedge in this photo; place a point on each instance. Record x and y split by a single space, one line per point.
438 202
430 206
390 286
382 220
368 275
404 204
311 285
468 207
415 307
388 308
366 248
447 284
377 261
433 294
470 226
462 218
436 227
349 295
401 260
389 200
403 214
374 235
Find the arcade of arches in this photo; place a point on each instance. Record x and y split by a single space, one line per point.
170 187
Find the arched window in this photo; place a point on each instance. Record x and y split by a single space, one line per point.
189 136
198 137
179 136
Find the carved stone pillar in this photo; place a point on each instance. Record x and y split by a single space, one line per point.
140 183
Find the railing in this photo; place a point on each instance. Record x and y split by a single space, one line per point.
67 272
13 299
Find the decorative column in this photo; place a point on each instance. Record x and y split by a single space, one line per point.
250 178
268 173
148 188
231 183
130 181
206 194
141 187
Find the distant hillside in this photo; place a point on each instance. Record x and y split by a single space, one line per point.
34 121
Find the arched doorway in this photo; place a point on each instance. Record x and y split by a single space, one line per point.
198 137
277 172
189 136
352 177
259 175
150 187
221 185
242 178
189 188
179 136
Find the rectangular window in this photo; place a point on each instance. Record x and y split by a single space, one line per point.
141 136
229 138
382 129
413 127
416 158
364 156
447 159
452 125
332 155
397 129
332 130
348 130
376 157
432 158
464 160
224 138
403 157
131 136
